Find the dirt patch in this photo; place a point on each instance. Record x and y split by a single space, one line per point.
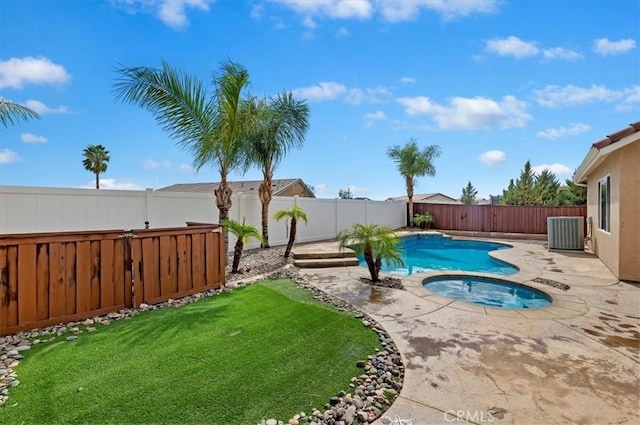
386 282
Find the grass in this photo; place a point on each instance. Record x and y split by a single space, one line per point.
266 350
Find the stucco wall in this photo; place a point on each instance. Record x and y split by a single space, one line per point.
604 244
629 267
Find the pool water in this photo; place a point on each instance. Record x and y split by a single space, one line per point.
435 252
487 292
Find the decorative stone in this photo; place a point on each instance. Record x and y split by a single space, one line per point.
71 338
271 422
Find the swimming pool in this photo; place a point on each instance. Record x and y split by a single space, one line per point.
435 252
488 292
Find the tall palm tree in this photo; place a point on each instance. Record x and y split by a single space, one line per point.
244 233
376 243
280 125
293 215
413 162
96 159
11 112
213 128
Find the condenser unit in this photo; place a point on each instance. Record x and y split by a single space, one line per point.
565 232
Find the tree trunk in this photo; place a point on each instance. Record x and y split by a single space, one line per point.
368 257
409 183
378 266
265 198
292 237
237 253
97 180
223 202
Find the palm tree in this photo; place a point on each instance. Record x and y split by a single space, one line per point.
293 215
244 233
413 162
213 129
376 243
280 124
96 159
11 112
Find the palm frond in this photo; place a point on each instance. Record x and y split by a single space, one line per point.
242 231
11 112
176 100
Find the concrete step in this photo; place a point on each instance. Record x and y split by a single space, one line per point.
311 263
307 255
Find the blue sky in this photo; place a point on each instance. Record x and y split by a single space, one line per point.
493 83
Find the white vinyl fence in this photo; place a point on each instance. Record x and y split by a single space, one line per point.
38 209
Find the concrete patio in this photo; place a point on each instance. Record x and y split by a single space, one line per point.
574 362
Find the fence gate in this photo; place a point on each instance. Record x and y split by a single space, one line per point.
52 278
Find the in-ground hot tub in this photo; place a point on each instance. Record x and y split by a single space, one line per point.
487 291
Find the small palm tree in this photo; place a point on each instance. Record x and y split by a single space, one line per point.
244 233
413 162
96 158
294 214
11 112
279 125
376 243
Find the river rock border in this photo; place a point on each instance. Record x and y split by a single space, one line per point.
369 394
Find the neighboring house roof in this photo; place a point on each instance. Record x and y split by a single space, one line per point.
427 197
244 186
601 149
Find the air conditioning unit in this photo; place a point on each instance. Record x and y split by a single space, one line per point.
565 232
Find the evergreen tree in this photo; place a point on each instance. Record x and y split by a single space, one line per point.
345 194
469 194
546 188
524 190
573 194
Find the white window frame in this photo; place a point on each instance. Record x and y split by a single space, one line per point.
604 220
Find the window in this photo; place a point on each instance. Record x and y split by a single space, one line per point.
604 204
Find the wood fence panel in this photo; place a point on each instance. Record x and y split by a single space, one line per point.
107 290
83 277
71 271
57 296
496 218
47 279
42 281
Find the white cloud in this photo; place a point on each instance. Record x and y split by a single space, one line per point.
18 72
553 96
32 138
41 108
342 32
152 164
560 170
340 9
494 157
256 12
322 189
561 53
407 80
185 168
402 10
562 132
171 12
309 23
476 113
605 47
391 10
321 91
512 46
114 184
372 117
358 96
9 157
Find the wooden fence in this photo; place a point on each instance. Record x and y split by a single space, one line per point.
495 218
52 278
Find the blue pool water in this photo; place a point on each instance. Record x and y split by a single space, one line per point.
488 292
434 252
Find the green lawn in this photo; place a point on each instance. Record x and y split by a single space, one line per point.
266 350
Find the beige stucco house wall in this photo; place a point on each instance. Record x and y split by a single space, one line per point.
616 157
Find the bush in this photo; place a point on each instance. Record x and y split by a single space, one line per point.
424 221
